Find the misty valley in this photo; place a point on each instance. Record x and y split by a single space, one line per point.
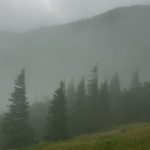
83 85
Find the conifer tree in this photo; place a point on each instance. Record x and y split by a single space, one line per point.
16 128
135 79
57 120
70 97
71 100
104 105
92 87
78 115
132 100
115 98
134 97
92 106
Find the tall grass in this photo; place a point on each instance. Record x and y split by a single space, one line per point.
130 137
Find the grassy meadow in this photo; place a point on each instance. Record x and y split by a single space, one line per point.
128 137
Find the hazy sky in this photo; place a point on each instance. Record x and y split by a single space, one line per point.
28 14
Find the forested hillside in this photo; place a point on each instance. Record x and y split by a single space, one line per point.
79 78
113 39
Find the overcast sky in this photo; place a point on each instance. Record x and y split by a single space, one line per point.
28 14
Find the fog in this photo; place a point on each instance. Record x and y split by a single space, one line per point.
23 15
50 54
71 68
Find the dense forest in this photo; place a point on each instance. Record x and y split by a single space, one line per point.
86 107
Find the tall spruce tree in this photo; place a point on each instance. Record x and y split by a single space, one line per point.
92 87
131 104
71 100
92 106
70 96
115 91
135 86
115 98
78 115
16 128
135 83
56 128
104 105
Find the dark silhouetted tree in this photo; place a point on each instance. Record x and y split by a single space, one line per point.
104 107
57 116
79 114
115 98
135 83
92 101
16 128
70 96
132 100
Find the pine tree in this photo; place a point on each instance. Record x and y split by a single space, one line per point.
92 106
70 97
104 105
132 100
92 87
71 100
16 127
57 120
78 115
135 99
135 80
115 98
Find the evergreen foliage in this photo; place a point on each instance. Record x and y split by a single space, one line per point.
104 108
115 98
92 109
57 116
16 128
77 110
78 116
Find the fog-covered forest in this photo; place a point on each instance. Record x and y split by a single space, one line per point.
70 85
88 107
117 39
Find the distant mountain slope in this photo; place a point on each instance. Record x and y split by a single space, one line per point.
130 137
118 39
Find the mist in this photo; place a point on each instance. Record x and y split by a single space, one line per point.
25 15
50 54
70 68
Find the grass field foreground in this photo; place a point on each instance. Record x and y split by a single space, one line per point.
128 137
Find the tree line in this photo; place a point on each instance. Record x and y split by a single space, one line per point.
89 107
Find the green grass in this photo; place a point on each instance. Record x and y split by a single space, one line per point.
128 137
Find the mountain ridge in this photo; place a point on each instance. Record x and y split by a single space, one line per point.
118 39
